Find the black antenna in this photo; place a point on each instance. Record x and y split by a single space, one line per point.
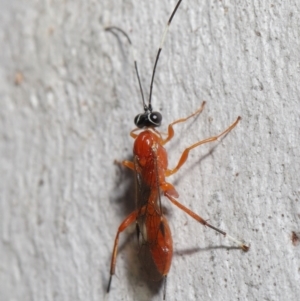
148 118
159 51
111 28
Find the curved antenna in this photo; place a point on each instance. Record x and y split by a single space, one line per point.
159 51
111 28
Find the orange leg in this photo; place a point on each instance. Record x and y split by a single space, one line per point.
132 134
204 222
127 222
125 163
128 164
185 153
170 126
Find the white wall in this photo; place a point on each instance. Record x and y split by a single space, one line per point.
69 118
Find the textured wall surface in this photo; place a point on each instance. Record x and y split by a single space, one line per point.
68 96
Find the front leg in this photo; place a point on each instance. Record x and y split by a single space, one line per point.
185 153
170 126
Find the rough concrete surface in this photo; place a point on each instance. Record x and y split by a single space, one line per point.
68 96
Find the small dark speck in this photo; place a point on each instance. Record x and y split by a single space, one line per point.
237 174
261 86
282 215
257 33
50 31
19 78
41 182
295 238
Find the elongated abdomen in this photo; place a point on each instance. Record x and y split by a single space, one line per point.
156 246
162 249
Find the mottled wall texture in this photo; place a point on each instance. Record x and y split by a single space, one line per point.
68 96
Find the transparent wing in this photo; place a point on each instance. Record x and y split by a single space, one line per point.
149 220
147 184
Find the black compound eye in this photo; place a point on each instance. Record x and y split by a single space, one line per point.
155 119
140 120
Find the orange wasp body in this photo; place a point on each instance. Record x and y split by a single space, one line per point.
150 164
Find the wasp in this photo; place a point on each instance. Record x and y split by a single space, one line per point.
150 165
